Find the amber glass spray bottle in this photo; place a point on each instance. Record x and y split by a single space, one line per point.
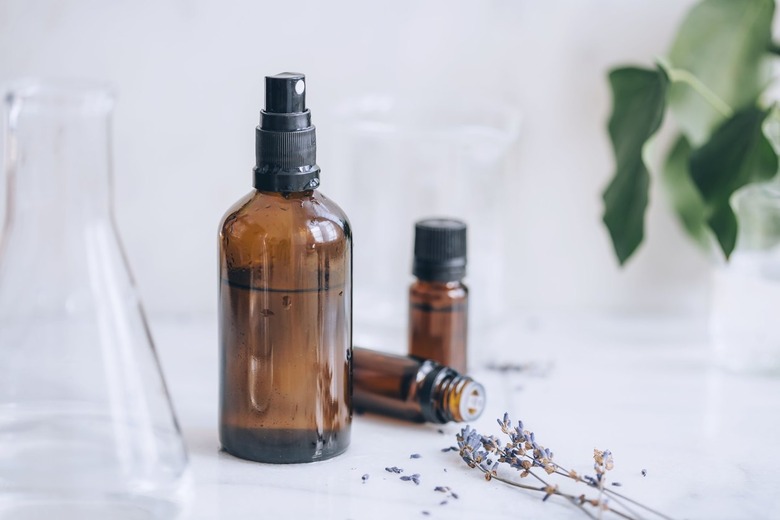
285 296
438 299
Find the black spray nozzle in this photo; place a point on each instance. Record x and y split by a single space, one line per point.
285 103
286 144
285 93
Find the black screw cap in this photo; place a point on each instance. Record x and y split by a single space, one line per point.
439 250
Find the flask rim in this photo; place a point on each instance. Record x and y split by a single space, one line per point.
83 94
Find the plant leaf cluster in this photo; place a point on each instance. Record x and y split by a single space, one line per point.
711 83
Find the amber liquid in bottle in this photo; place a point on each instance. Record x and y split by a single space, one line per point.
438 299
413 389
285 320
438 322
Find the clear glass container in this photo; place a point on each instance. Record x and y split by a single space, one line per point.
86 425
746 290
407 159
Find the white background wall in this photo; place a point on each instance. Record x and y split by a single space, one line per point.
190 78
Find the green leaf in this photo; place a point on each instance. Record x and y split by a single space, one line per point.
722 44
683 193
638 101
738 153
772 128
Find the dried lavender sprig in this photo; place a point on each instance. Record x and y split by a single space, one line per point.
475 449
571 498
604 463
546 488
618 497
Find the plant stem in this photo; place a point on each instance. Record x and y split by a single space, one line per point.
627 508
683 76
560 470
571 498
649 509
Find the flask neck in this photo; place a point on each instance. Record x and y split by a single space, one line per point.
57 157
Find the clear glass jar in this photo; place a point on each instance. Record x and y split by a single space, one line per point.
407 159
746 290
86 425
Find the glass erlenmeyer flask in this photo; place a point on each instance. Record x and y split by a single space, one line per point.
86 425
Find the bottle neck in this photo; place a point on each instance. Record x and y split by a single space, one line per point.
57 157
446 285
445 395
462 398
287 195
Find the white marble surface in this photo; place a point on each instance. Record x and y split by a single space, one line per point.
643 388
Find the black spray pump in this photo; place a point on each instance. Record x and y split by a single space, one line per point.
286 144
